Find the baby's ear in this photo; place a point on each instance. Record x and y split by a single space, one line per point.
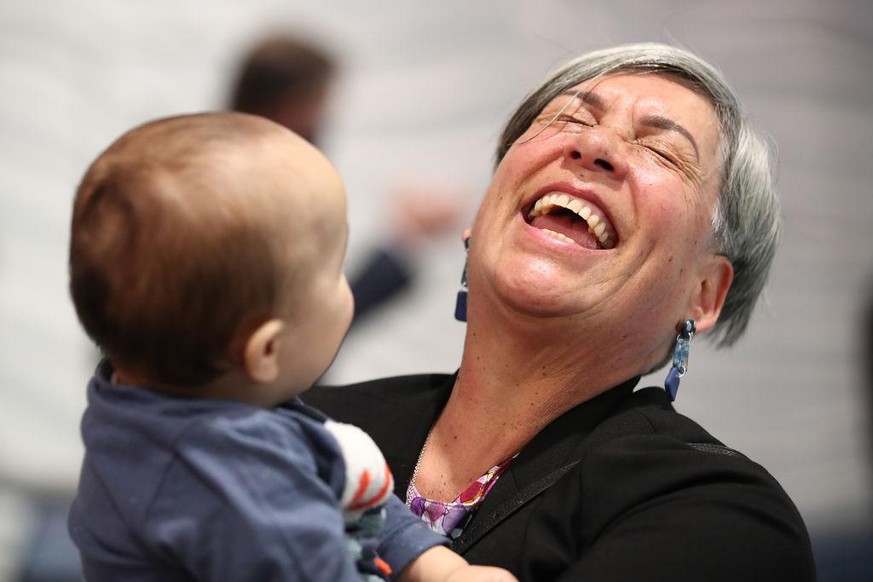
261 352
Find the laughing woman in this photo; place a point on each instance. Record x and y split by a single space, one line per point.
631 210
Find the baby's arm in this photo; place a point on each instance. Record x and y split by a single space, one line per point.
440 564
420 555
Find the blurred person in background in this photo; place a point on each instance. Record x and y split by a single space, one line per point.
290 80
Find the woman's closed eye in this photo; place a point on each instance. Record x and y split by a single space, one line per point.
666 150
673 158
570 121
663 153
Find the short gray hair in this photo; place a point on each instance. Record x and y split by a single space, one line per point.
747 220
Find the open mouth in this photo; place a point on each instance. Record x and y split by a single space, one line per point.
570 219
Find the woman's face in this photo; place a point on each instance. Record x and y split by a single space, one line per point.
602 209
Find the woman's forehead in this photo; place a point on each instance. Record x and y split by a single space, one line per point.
643 86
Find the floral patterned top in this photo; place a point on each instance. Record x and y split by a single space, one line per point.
449 519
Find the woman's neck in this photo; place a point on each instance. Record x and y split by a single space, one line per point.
511 384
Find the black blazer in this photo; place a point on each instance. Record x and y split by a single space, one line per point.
621 487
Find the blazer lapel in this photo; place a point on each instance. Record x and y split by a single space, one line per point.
556 450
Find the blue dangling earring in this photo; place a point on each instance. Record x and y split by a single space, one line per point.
686 331
461 301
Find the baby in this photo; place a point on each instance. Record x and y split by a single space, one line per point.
206 260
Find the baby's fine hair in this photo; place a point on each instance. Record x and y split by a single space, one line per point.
170 257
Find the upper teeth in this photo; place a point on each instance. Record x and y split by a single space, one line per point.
596 224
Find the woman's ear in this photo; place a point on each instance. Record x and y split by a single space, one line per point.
716 278
261 352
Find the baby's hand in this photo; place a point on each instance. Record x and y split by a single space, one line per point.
440 564
481 574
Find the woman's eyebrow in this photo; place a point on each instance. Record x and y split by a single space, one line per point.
654 121
591 99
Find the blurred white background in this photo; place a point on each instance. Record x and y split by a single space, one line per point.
424 89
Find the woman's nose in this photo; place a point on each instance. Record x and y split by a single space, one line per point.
597 150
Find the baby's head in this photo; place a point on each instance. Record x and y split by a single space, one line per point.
206 257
